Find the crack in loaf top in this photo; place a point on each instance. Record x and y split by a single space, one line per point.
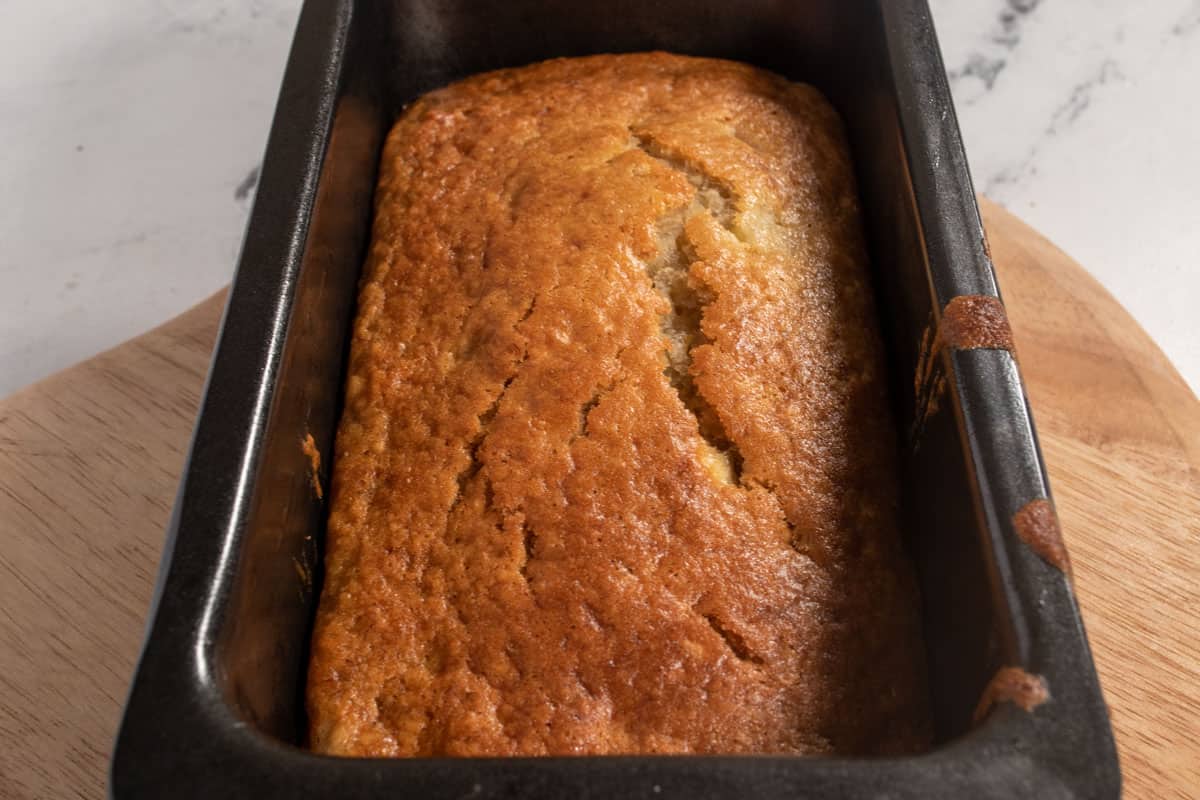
615 469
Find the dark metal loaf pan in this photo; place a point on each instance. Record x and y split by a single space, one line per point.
216 707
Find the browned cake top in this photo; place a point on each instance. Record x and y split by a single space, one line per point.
615 472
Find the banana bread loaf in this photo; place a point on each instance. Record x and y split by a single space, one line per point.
616 470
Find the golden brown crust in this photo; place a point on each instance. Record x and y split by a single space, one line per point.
1012 685
1037 525
615 472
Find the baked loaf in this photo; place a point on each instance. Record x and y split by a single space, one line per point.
616 472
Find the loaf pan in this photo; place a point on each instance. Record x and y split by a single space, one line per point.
216 708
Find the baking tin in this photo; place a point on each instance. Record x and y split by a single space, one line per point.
216 706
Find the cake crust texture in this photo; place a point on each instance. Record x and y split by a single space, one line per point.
616 472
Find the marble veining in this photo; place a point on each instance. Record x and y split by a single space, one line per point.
133 133
986 62
1076 115
248 184
1188 23
1063 116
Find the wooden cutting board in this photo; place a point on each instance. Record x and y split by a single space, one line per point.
90 458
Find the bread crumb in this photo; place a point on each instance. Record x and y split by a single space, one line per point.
1037 525
975 322
309 448
1012 685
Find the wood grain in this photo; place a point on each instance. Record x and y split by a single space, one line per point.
1120 432
90 458
89 462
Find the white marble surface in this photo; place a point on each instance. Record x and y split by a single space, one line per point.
1083 118
128 128
132 131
